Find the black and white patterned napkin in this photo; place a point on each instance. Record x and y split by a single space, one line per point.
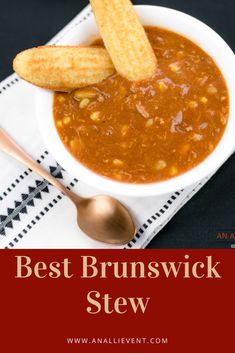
34 214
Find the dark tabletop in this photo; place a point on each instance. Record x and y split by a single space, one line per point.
27 23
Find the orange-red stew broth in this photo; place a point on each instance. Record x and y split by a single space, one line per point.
142 132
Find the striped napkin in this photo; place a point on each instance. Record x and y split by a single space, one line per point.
33 214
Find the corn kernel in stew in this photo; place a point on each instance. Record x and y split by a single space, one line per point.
95 116
84 103
66 120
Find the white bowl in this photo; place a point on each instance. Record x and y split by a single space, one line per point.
187 26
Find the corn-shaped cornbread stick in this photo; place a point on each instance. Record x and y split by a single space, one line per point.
125 38
63 68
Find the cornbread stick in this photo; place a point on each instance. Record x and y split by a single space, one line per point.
125 38
63 68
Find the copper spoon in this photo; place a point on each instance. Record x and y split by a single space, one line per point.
101 217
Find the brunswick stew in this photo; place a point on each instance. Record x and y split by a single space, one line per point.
152 130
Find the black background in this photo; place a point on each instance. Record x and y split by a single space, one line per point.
30 23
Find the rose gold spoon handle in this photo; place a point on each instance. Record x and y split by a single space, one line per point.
101 217
8 145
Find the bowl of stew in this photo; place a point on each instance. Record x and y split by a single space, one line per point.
150 137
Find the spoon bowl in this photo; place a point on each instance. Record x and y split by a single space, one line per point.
106 220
